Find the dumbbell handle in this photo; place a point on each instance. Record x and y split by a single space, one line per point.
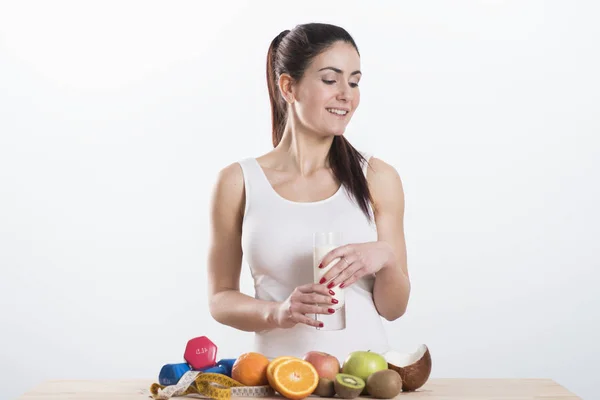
217 369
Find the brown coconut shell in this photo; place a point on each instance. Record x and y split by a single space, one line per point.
415 375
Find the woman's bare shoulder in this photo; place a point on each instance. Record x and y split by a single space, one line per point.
230 175
380 169
228 189
384 181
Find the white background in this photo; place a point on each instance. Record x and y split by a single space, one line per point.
115 118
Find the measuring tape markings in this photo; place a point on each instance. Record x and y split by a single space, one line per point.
216 386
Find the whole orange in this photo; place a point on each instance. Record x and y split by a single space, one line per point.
250 369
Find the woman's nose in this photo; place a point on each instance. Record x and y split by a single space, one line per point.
345 92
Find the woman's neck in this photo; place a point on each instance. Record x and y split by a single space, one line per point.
303 151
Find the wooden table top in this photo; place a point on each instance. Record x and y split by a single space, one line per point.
434 389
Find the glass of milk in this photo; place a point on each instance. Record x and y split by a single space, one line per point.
323 243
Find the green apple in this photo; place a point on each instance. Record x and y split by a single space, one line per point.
364 363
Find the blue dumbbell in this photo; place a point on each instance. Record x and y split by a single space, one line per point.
217 369
227 364
171 373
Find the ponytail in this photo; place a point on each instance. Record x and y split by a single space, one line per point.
278 104
347 165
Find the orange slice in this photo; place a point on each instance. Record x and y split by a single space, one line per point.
275 362
295 379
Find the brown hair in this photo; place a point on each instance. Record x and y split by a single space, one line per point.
291 52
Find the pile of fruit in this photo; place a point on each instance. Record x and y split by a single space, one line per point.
362 373
366 373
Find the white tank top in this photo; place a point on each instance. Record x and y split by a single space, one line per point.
277 243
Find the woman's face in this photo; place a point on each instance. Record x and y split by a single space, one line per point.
327 95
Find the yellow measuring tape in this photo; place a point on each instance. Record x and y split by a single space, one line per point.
208 384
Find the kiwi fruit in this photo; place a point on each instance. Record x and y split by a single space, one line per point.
348 386
384 384
325 388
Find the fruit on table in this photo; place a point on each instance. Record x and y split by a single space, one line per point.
327 366
272 364
295 378
348 386
384 384
325 388
364 363
250 369
414 368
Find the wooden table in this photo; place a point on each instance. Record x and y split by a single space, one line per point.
434 389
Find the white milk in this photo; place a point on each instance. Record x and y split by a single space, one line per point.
337 320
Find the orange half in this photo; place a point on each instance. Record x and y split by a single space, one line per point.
295 379
275 362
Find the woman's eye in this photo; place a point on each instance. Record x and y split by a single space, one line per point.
352 84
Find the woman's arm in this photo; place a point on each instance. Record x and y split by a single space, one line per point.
227 305
392 284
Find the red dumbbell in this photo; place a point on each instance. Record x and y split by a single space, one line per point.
200 353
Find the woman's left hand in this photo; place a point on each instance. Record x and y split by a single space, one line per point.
356 261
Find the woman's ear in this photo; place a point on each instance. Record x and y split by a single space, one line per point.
286 87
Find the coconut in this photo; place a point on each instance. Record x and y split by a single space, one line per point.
414 368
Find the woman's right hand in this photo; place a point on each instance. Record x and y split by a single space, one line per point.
311 298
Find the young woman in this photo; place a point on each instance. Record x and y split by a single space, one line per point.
266 210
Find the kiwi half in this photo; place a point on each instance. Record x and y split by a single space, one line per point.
348 386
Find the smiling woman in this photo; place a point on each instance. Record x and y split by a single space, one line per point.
305 72
266 209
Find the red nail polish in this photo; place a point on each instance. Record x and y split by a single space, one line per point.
322 280
331 310
320 325
342 285
334 301
320 265
331 292
330 285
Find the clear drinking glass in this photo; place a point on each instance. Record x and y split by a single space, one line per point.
323 243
